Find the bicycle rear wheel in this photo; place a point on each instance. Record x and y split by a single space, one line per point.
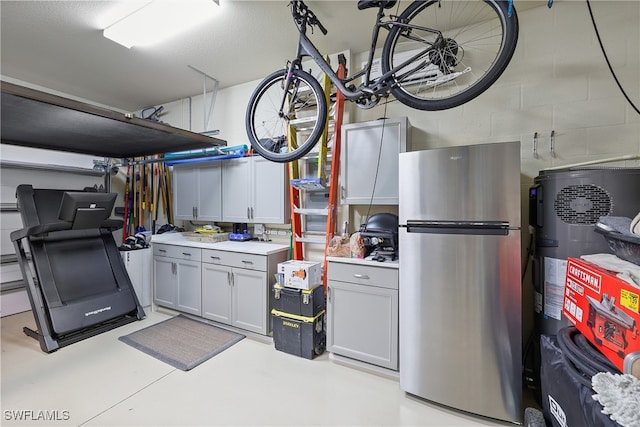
448 51
272 108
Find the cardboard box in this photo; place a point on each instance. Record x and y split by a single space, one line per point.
299 274
604 308
299 335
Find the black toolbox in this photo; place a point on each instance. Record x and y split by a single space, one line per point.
299 335
300 302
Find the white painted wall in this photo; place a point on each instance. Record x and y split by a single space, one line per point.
557 81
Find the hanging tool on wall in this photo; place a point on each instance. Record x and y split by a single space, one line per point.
125 227
169 196
134 206
142 198
155 195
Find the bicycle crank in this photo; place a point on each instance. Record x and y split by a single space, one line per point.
368 102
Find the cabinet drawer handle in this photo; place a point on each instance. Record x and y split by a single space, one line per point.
247 262
360 276
161 250
186 254
215 257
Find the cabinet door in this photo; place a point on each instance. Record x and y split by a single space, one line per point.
268 202
249 300
189 293
216 293
164 291
363 323
209 206
236 178
184 191
369 161
138 265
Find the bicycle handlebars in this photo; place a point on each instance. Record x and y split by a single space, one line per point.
302 15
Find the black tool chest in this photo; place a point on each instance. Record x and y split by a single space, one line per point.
299 320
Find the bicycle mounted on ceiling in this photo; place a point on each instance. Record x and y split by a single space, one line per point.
438 54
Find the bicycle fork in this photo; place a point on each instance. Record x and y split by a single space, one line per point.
287 84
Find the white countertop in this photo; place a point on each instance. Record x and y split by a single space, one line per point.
247 247
360 261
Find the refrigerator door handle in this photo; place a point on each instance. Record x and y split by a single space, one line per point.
493 228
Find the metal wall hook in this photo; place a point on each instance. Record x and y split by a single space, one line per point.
535 145
552 143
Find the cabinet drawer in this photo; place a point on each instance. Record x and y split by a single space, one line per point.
179 252
235 259
363 274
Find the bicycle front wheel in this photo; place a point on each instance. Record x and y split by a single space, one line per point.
273 109
447 52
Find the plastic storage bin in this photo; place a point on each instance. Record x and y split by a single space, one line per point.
622 246
301 302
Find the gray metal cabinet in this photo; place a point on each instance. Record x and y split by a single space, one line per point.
254 191
369 161
197 191
177 273
362 313
235 288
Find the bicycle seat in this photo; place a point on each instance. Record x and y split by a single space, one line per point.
366 4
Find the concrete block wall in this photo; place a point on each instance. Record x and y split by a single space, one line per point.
557 82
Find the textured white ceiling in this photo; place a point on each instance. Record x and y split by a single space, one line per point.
59 45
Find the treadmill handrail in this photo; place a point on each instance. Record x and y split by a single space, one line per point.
42 229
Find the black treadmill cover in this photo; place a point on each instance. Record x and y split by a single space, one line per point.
31 118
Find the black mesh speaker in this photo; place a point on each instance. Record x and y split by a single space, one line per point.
582 204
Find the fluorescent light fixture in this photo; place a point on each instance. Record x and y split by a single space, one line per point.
159 20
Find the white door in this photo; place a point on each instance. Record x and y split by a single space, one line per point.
184 192
189 287
216 293
210 192
164 292
236 181
268 191
249 300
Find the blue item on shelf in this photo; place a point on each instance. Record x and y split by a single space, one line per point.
240 237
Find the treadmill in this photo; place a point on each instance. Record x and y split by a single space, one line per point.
76 280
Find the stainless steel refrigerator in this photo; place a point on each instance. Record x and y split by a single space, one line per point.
460 291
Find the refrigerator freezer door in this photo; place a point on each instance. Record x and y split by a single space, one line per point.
469 183
460 320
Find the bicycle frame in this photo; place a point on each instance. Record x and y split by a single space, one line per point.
377 87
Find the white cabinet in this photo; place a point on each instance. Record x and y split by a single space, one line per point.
138 266
362 313
216 292
177 272
235 288
254 191
369 161
197 191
